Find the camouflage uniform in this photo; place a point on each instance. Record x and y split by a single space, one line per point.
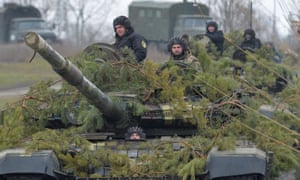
189 60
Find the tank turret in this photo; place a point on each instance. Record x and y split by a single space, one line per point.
156 119
74 76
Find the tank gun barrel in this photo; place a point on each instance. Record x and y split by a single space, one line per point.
74 76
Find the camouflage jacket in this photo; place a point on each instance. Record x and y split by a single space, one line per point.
187 60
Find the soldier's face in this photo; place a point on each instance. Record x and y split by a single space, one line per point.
177 49
211 28
135 136
248 37
120 30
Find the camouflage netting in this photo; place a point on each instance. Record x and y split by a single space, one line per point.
226 102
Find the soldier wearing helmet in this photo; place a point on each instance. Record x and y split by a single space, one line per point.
126 37
250 41
179 51
216 36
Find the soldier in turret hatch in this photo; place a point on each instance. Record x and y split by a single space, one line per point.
250 41
180 55
216 36
179 52
126 37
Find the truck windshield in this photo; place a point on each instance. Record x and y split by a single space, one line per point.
191 25
26 25
192 22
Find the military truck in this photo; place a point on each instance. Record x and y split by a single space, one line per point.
158 21
16 20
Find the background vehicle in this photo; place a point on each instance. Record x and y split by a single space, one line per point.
159 21
17 20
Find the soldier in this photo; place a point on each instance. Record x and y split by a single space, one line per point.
216 36
126 37
179 51
274 55
250 41
180 55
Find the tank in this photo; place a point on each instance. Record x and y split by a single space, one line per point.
158 136
156 121
153 121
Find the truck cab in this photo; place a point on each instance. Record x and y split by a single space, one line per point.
159 21
192 25
16 20
21 26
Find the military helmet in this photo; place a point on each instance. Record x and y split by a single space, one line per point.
212 23
177 40
122 20
250 32
135 133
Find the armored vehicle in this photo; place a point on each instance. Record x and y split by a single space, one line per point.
241 163
128 133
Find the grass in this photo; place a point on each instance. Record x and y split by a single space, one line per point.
8 100
20 74
16 72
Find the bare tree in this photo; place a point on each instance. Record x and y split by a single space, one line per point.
231 14
76 20
61 18
89 12
235 15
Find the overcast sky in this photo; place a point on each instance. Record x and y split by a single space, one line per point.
281 12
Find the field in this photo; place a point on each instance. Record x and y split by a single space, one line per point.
15 75
17 72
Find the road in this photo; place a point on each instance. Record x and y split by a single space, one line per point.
13 92
19 91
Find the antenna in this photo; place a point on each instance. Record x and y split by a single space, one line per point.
250 7
274 19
